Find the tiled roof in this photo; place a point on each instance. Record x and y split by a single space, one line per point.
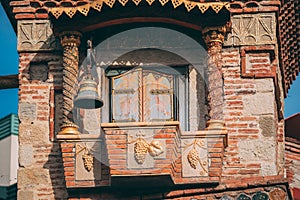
9 125
289 28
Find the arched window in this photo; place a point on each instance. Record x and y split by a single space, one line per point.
151 74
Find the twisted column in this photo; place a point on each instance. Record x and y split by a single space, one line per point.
214 38
70 41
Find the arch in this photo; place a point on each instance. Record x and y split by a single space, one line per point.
144 46
143 39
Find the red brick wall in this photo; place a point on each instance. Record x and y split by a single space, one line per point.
40 175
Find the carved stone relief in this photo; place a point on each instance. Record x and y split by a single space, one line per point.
252 29
88 161
38 71
35 35
143 149
194 157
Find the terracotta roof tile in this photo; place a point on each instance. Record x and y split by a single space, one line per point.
289 28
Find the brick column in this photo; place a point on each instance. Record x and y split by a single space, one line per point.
214 38
70 41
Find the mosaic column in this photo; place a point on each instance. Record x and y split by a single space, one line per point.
70 41
214 38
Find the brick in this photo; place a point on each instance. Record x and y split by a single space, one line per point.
24 16
23 10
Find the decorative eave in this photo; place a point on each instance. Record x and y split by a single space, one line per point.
97 5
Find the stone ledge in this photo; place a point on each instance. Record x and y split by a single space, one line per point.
123 125
78 137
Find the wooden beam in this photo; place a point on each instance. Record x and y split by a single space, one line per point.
9 81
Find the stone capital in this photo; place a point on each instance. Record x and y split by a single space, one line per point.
70 38
215 34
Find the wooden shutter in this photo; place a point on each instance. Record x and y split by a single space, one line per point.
125 97
157 96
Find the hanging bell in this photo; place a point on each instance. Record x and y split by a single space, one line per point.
87 96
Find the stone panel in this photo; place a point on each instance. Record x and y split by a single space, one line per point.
35 35
264 85
92 149
268 169
252 29
34 133
257 150
267 126
142 149
25 155
194 157
25 195
259 104
27 111
28 177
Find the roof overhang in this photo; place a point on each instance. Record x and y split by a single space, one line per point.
98 4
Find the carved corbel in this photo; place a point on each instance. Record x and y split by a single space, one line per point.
70 41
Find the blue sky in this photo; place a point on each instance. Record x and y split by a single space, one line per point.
9 65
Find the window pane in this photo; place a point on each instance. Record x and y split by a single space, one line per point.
125 97
158 96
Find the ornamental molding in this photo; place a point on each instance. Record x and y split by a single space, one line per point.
36 35
252 29
98 4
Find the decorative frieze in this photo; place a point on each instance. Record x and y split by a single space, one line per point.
36 35
252 29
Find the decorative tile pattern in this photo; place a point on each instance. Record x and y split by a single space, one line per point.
243 197
260 196
277 193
